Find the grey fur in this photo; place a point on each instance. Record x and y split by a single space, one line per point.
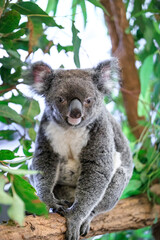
81 177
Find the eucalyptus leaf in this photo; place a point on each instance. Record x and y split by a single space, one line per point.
6 154
9 62
76 45
17 171
9 21
31 9
32 134
17 210
52 6
14 35
27 194
7 112
7 134
26 146
17 160
145 74
65 48
30 109
5 198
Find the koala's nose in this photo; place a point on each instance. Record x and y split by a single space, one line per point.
75 113
75 109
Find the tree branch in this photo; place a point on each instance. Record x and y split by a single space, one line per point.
131 213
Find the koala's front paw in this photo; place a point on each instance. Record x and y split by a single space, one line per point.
63 207
73 230
85 228
59 206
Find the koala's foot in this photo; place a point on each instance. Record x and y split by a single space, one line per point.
84 229
73 230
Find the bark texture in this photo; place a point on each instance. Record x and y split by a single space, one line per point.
130 213
123 48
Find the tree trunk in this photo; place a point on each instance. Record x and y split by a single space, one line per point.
130 213
123 48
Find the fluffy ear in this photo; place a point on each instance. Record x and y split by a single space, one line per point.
39 76
107 74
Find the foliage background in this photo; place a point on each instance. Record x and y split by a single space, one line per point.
23 26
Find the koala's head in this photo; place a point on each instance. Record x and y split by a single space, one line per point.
73 97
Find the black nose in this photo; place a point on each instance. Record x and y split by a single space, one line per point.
75 113
75 109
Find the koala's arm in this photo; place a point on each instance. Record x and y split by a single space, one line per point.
47 162
122 146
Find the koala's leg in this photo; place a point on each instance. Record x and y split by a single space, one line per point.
110 198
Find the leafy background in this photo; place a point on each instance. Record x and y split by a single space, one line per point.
23 26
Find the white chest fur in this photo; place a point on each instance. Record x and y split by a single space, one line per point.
68 143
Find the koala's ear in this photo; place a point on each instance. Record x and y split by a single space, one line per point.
39 77
106 76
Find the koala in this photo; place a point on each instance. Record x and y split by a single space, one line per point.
83 157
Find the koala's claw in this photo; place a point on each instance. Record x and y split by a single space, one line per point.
72 232
59 206
84 228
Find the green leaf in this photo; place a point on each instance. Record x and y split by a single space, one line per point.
9 21
17 171
32 134
31 9
29 111
138 165
21 44
27 194
7 135
17 160
45 44
9 62
65 48
14 35
145 74
52 6
19 99
4 197
17 210
6 155
76 45
82 4
26 146
149 34
98 4
5 74
132 188
74 8
84 11
134 184
8 112
28 8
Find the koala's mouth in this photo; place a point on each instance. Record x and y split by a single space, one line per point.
74 121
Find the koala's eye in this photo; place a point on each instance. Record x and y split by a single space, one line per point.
88 102
60 99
